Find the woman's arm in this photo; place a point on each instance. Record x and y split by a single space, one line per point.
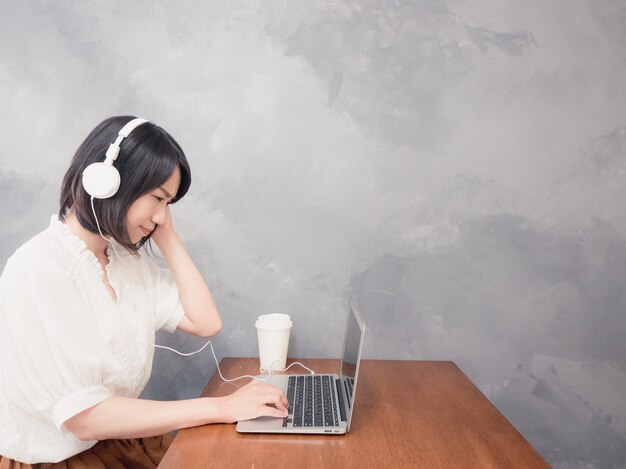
125 417
201 315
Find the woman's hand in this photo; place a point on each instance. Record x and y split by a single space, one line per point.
254 400
201 316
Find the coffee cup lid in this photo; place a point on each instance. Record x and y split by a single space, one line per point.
273 321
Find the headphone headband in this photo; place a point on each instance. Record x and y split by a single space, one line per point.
114 148
101 180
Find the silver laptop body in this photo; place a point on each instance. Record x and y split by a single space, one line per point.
334 391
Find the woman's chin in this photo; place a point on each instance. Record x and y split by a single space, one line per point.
139 239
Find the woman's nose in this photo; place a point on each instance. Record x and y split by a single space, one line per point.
159 215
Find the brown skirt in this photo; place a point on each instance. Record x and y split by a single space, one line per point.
135 453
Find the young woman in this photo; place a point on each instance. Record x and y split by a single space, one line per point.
76 321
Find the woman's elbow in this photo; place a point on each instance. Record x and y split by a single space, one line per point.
211 330
208 329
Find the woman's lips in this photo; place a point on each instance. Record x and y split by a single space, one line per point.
145 231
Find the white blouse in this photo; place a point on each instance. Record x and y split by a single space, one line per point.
66 345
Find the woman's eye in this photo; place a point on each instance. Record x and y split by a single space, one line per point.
158 198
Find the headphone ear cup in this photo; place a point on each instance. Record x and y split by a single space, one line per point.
101 180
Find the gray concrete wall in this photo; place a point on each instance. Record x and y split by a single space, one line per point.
460 166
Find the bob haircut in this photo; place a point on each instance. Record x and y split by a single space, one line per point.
147 159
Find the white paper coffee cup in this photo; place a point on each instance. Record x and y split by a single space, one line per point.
273 335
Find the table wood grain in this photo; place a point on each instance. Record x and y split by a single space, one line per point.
407 414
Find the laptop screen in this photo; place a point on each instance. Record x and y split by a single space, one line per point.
351 356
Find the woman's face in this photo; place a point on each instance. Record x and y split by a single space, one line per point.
150 209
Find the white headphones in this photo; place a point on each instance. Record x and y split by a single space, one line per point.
101 180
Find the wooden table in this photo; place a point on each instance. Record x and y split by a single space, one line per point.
432 417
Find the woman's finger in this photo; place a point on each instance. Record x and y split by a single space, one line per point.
273 399
270 411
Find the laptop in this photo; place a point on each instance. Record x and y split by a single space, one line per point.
319 403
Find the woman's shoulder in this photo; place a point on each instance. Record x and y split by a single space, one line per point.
39 252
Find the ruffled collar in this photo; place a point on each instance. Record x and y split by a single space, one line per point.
78 247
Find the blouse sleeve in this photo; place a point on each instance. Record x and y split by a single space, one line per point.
168 310
53 358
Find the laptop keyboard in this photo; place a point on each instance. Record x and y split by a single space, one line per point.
312 402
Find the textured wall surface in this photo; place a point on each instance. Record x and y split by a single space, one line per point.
458 165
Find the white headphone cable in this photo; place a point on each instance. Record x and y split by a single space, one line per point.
214 357
107 240
270 371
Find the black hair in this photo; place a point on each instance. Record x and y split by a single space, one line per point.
147 159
